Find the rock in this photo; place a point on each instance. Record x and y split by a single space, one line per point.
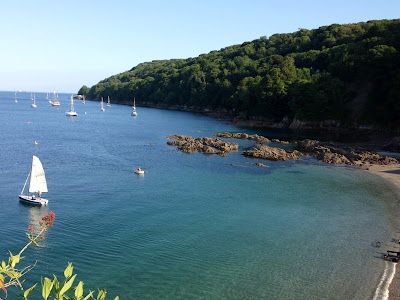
266 152
333 158
243 136
307 145
206 145
262 165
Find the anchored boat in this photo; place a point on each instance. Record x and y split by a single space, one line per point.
37 185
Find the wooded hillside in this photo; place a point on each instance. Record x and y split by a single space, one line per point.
349 73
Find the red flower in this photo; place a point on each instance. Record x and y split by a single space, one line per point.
30 227
49 218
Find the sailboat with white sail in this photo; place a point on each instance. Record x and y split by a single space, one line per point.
55 101
72 112
15 99
108 102
34 101
134 112
102 108
37 184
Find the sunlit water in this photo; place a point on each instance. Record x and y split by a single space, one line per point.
195 226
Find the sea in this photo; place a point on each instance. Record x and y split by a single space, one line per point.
194 226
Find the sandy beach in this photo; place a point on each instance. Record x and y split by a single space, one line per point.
392 174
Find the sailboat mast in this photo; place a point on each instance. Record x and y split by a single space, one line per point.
22 192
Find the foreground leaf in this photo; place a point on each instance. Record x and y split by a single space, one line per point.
28 291
47 286
68 271
67 286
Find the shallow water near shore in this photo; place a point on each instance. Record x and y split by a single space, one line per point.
194 226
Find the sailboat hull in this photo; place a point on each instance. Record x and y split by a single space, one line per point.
29 200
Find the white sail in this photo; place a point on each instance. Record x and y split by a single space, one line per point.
38 180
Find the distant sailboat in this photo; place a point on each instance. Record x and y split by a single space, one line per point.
47 96
37 184
15 99
134 113
31 96
108 102
72 112
34 101
84 102
55 101
102 108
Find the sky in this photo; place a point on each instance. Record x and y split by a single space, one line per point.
63 45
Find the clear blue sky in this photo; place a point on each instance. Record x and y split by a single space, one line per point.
63 45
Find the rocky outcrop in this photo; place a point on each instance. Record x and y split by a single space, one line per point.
251 137
206 145
266 152
337 154
332 153
243 136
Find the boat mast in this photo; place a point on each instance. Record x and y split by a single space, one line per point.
29 174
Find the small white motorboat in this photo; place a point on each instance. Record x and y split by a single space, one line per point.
139 171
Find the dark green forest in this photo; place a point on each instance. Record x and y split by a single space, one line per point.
349 73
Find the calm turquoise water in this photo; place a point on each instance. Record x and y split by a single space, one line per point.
194 226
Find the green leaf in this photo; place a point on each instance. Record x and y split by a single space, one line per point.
90 295
66 286
102 295
13 274
68 271
79 290
47 286
13 260
56 283
28 291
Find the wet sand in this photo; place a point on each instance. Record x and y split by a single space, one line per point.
392 174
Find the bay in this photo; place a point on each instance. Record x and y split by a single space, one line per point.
195 226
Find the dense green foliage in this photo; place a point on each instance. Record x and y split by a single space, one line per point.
343 72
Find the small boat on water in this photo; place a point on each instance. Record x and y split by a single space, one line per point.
108 102
72 112
134 113
15 99
37 185
101 107
55 101
34 101
139 171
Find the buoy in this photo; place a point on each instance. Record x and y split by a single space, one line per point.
36 143
29 122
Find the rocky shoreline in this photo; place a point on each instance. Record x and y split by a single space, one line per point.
331 153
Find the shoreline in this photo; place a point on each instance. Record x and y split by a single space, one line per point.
391 174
